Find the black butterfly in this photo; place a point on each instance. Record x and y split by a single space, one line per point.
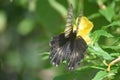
68 46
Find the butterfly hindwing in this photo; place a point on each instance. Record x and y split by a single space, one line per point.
79 47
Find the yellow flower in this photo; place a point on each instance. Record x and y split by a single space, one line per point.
84 28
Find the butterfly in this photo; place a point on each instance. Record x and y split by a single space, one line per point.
71 45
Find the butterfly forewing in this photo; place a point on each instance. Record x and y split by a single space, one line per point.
60 49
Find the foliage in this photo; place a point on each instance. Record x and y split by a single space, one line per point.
26 27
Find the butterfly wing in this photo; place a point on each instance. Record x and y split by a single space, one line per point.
60 49
69 21
79 47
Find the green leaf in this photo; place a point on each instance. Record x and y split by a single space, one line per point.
78 75
112 47
102 33
115 54
114 23
108 13
97 50
96 35
100 75
44 55
97 67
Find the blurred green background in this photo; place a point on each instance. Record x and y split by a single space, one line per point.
26 27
